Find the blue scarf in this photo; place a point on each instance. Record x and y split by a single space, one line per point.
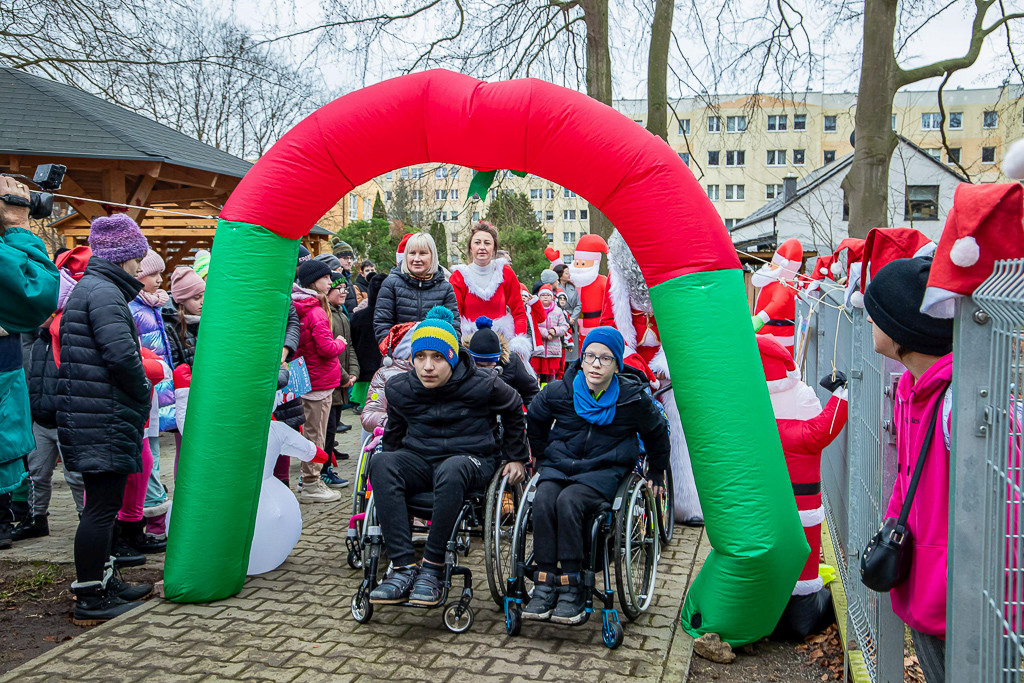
596 411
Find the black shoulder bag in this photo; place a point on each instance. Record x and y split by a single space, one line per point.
885 563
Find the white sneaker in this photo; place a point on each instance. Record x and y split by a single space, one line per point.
317 492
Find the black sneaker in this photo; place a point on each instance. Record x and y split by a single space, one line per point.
428 589
129 592
33 527
124 555
394 589
342 428
572 601
542 603
95 604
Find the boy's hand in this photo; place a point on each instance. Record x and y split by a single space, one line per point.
515 472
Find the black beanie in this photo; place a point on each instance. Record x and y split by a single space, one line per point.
311 271
485 345
893 300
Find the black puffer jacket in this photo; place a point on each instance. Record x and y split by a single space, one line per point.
403 298
103 396
41 376
458 418
367 351
290 412
183 350
515 374
595 455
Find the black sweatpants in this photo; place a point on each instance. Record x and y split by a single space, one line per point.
560 509
104 492
333 419
399 475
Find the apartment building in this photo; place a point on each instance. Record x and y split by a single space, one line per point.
741 148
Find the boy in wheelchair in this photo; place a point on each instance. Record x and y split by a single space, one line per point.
441 436
597 410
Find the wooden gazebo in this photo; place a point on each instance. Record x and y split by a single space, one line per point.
115 156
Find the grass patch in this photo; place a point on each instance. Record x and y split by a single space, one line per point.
40 576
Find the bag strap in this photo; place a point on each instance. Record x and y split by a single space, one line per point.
912 489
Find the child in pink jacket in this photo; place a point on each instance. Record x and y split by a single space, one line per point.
552 326
924 345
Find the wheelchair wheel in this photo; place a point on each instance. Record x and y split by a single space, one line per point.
354 559
667 508
513 621
362 608
362 475
636 540
458 618
612 635
522 536
500 506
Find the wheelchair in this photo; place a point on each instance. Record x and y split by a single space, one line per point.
487 514
624 534
357 527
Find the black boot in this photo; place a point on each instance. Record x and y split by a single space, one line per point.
5 536
94 603
34 527
134 533
123 553
129 592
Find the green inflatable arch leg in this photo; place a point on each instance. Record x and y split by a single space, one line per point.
759 544
245 308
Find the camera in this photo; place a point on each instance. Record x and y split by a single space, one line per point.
40 204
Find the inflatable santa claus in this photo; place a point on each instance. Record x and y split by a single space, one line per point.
627 307
805 430
591 286
775 308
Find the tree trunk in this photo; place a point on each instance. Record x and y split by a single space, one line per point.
599 84
657 69
867 184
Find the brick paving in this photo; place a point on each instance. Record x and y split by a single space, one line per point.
294 624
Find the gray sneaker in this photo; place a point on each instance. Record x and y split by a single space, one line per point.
572 601
542 603
394 589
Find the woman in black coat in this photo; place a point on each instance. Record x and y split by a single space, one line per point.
367 351
413 288
103 400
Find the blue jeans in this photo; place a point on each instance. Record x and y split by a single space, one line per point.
155 491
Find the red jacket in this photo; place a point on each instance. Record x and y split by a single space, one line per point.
316 341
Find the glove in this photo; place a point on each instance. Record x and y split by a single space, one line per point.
320 457
282 377
377 434
833 381
757 322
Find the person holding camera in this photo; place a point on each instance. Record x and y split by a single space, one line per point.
28 296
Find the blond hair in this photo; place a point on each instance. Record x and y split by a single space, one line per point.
418 241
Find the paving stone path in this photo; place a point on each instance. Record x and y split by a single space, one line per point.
294 624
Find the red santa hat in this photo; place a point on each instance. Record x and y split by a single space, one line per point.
854 248
554 256
821 271
984 224
590 247
400 254
789 255
882 247
546 288
779 367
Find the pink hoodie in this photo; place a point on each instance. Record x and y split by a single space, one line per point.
920 601
317 343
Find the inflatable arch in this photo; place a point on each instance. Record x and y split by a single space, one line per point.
633 177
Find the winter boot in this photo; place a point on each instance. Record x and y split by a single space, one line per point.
572 601
124 554
395 587
5 536
156 520
34 527
545 594
129 592
428 588
94 603
135 535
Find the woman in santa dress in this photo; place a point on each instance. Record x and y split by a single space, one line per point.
487 286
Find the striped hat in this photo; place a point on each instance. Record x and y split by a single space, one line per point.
435 333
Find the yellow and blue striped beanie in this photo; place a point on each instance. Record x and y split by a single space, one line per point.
435 333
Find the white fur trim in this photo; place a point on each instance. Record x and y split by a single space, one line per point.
522 346
504 326
587 256
659 364
763 315
939 303
789 267
857 299
853 281
836 269
156 510
841 393
687 503
791 379
965 252
926 250
812 517
180 407
1013 161
809 587
796 403
484 281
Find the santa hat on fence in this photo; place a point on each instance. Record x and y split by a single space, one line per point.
779 367
400 254
590 247
854 248
883 246
553 255
821 271
985 224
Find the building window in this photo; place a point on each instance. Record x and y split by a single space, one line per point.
549 193
453 194
388 195
777 122
990 119
567 193
352 206
714 124
713 192
476 216
894 121
389 175
799 121
729 222
548 216
735 124
536 194
684 126
494 195
417 173
798 157
956 120
404 173
440 195
551 237
441 172
417 195
933 152
440 216
453 216
584 214
735 193
735 157
538 216
830 124
771 191
953 155
776 157
454 172
828 156
846 207
685 156
988 155
713 158
922 203
569 214
568 237
931 121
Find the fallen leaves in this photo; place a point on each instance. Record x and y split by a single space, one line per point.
825 650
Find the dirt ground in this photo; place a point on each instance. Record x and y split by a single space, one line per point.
35 607
820 658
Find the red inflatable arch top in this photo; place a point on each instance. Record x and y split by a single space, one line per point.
521 125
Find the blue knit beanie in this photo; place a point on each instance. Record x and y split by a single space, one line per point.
435 333
610 337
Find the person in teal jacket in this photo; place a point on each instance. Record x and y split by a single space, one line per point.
29 283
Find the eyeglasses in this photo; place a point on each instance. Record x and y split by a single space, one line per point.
602 361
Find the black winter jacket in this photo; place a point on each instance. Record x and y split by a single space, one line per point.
516 375
403 298
458 418
41 376
103 396
598 456
363 339
182 350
